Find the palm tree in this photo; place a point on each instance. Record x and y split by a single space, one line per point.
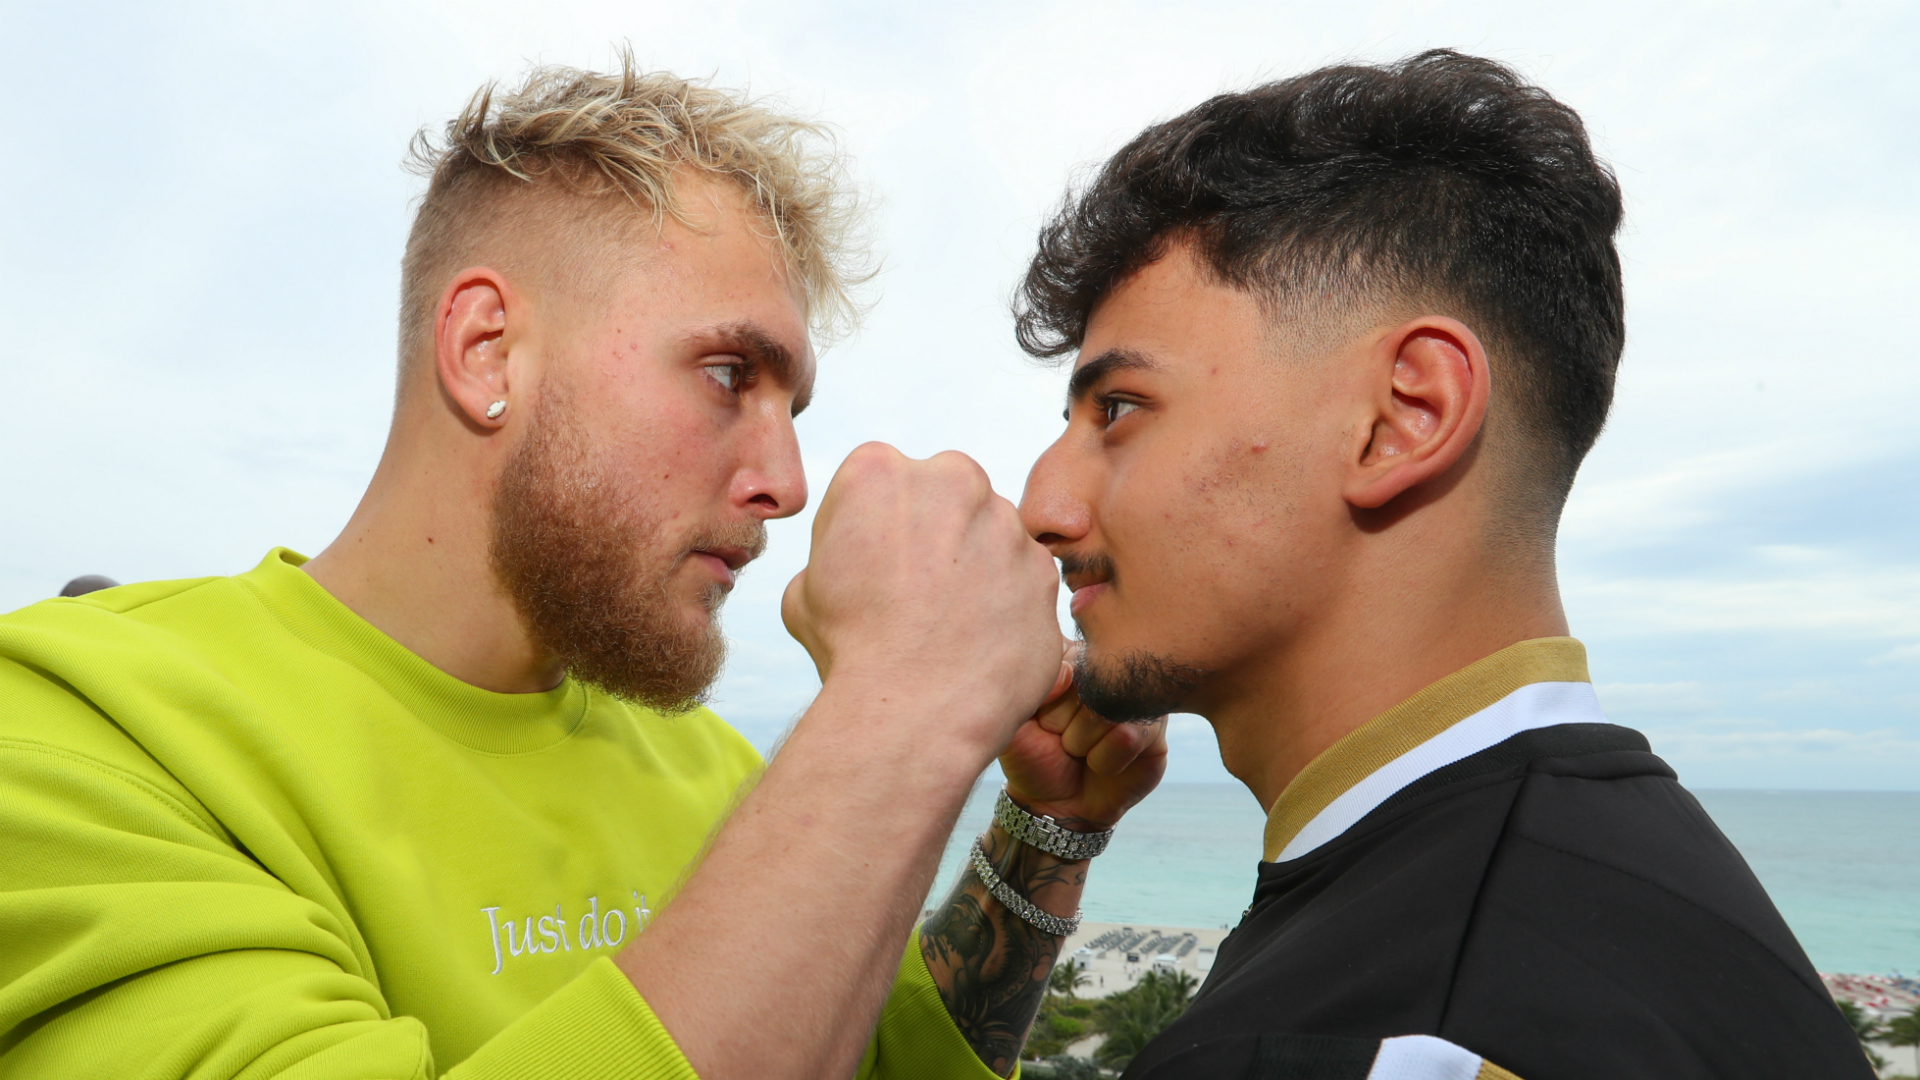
1067 978
1131 1018
1905 1031
1130 1022
1182 984
1866 1027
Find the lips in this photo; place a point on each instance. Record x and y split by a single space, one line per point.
733 557
1087 594
725 562
1088 577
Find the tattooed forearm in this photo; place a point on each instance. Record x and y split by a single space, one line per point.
991 965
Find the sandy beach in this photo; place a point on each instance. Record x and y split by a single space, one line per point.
1884 998
1115 955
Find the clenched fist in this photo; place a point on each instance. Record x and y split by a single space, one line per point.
1078 767
924 588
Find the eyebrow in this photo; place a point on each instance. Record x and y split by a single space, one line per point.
1104 365
767 352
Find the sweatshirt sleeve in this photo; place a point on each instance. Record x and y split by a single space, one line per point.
917 1037
138 939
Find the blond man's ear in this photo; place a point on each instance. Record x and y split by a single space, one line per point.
473 348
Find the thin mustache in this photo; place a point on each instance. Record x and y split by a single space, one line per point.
748 536
1097 564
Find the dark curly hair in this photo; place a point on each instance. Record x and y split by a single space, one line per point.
1443 179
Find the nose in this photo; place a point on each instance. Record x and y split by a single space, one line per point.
1052 510
772 482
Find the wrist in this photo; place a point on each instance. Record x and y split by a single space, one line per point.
935 722
1067 813
916 724
1049 882
879 753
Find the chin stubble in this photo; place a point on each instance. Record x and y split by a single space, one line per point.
1135 686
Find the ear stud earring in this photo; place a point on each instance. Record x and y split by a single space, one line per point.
494 410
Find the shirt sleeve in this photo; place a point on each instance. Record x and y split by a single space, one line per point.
141 939
917 1037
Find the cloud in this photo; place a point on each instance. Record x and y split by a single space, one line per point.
1619 699
1664 500
1754 753
203 342
1826 594
1904 654
1752 743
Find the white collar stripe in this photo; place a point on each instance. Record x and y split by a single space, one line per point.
1536 705
1423 1057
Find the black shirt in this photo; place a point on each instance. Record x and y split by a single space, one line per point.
1556 903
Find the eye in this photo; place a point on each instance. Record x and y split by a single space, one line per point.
1116 409
728 376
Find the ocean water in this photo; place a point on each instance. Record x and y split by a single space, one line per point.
1842 867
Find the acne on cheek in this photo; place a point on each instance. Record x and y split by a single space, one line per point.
1243 476
1229 469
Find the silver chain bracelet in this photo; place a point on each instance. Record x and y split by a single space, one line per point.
1041 831
1014 902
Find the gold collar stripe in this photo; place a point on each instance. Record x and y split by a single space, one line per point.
1372 745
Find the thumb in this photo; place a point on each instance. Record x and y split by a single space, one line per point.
1061 684
799 621
792 604
1070 651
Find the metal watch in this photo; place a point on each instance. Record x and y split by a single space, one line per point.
1042 832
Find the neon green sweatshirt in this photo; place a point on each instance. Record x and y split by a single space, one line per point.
245 834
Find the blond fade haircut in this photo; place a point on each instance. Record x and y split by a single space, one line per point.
567 148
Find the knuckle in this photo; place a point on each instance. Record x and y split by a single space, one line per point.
955 460
874 459
963 472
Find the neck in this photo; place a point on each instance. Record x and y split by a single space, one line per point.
1393 634
413 562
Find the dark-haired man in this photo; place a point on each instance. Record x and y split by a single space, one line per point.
1343 341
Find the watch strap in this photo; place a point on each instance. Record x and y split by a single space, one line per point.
1043 832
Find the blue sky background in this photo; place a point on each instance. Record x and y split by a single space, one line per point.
203 212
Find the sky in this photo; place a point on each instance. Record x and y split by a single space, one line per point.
201 227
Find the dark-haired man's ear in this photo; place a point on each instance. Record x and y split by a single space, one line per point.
1429 385
471 347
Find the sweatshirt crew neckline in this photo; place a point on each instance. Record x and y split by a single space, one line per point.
478 719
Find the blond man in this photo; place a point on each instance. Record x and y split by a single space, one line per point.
442 801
